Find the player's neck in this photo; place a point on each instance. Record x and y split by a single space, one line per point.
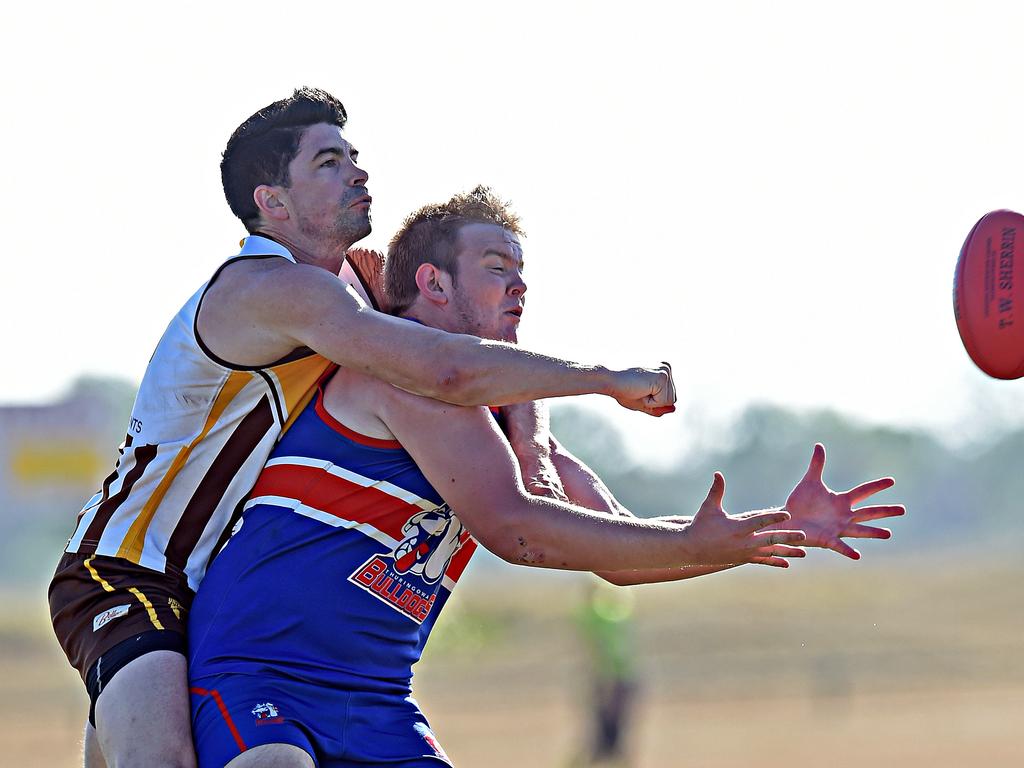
425 316
307 251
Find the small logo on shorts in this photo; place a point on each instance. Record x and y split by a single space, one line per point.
176 607
266 714
108 615
432 742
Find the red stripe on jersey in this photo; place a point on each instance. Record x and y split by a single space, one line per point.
336 496
461 558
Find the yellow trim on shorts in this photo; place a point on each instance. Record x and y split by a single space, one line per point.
149 607
96 576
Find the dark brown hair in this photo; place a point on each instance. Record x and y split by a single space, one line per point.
261 148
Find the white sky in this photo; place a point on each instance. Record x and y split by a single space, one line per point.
770 195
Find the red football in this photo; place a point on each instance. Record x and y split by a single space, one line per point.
987 294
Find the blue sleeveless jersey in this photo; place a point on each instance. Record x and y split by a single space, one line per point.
342 560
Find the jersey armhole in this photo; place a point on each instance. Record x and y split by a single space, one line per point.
296 354
346 432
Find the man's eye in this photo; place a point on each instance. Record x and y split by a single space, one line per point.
329 163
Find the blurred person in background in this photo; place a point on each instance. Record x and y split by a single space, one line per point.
605 624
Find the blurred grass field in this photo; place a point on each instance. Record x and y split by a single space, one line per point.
912 663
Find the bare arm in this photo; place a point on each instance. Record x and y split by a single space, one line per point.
583 487
464 455
826 517
259 311
528 429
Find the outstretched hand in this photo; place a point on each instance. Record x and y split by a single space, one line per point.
725 539
828 517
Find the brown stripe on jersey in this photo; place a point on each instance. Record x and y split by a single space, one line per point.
144 454
226 533
239 447
105 488
273 391
131 546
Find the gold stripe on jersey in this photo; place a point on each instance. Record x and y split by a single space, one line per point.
131 546
298 384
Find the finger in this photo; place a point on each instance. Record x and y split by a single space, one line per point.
768 538
865 532
775 562
817 465
781 550
759 520
863 514
746 515
864 490
662 410
671 381
716 493
844 549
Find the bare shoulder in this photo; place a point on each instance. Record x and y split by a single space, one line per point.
371 407
352 399
250 312
393 400
248 283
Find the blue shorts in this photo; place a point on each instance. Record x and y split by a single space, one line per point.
338 729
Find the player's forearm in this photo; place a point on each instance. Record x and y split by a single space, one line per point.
528 428
585 488
659 575
550 534
483 372
582 485
455 368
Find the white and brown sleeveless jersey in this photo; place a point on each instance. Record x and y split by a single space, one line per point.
199 434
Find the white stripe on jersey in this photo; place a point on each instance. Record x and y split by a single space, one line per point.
324 517
334 521
366 482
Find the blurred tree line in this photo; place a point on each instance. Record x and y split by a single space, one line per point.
969 497
964 497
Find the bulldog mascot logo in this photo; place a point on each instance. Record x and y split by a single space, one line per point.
431 540
407 578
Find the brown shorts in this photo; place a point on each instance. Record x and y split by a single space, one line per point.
97 602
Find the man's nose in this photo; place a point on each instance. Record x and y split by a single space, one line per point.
518 287
359 177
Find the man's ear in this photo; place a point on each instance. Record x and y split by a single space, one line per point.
270 201
433 284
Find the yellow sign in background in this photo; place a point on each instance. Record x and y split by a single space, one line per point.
45 463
